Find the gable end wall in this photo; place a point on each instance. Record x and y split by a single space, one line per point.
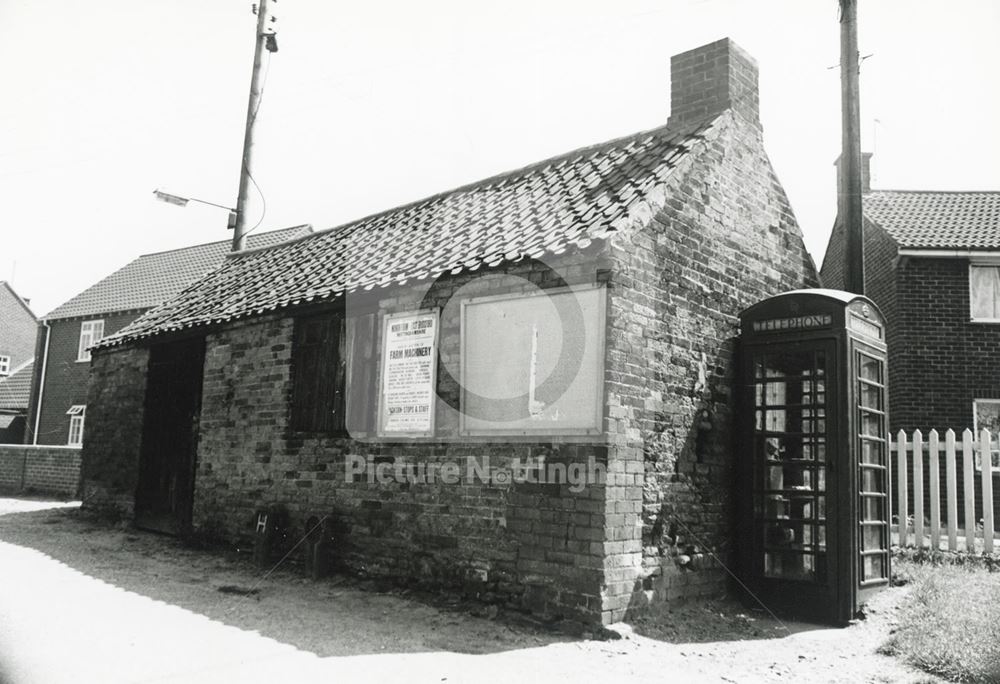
17 329
725 239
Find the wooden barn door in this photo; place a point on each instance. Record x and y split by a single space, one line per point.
165 492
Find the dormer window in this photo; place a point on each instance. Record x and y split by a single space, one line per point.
4 365
984 292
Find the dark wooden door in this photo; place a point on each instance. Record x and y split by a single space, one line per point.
165 491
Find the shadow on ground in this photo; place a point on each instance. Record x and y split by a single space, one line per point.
131 606
334 617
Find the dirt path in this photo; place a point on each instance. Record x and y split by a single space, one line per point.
83 602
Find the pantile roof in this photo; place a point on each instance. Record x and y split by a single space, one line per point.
556 205
936 220
15 389
153 278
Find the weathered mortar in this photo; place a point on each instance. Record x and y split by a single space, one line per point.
536 546
113 434
678 285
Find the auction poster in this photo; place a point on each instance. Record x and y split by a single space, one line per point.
409 369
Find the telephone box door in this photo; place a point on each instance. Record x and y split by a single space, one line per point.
794 454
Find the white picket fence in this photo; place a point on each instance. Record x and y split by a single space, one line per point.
914 522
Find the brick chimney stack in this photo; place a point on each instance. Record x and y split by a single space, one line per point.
708 80
866 174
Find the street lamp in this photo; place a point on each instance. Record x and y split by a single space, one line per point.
182 202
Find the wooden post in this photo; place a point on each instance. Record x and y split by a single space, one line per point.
952 489
240 229
986 474
934 473
969 491
901 507
918 489
849 204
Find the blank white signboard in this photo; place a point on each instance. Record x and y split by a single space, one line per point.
533 364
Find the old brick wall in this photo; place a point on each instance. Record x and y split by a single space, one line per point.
113 434
40 470
532 546
65 377
725 239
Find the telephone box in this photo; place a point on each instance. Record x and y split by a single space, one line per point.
813 453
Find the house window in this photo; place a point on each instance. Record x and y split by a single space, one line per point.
4 365
91 333
533 365
76 415
984 292
333 374
986 415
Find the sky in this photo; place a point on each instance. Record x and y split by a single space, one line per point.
369 105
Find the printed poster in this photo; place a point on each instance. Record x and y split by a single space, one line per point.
409 364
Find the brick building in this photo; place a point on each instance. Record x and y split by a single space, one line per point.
932 264
17 336
58 404
579 314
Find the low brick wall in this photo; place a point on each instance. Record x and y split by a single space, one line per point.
40 469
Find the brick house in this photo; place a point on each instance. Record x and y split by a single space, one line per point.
577 314
58 402
932 264
17 336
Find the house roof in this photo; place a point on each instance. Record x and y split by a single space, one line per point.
556 205
15 389
153 278
936 220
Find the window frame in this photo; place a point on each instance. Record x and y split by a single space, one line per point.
311 419
4 365
596 429
357 362
973 264
87 329
77 422
994 434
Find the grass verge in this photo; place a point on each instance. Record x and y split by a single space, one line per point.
949 624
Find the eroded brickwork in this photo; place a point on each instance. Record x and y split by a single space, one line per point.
725 240
532 546
113 435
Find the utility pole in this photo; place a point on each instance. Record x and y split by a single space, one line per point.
849 202
265 40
